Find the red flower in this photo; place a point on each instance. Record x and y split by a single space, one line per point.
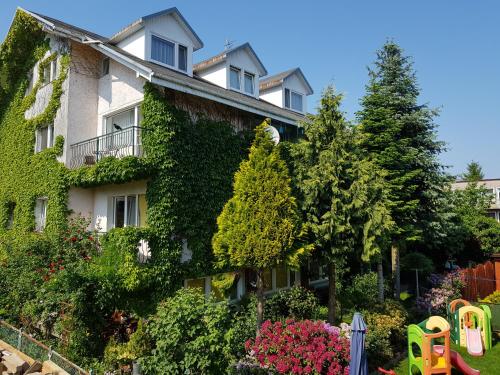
304 347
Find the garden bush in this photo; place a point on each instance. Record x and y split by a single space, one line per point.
492 298
295 303
304 347
188 336
445 288
386 332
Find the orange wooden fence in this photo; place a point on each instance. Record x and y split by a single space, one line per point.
479 281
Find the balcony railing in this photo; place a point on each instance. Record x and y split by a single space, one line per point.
126 142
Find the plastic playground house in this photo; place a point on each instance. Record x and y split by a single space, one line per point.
429 341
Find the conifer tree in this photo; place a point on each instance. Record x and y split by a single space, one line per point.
341 194
474 172
259 224
399 134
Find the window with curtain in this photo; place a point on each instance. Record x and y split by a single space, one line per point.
44 138
234 78
287 98
119 211
162 50
297 102
249 85
129 210
183 56
40 214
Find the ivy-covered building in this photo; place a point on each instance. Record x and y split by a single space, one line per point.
130 133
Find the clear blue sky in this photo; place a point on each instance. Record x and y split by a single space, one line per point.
455 45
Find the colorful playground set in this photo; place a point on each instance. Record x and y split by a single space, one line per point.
429 341
429 349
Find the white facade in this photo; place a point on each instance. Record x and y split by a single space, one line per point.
169 27
286 90
98 203
242 60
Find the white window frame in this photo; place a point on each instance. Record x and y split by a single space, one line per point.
52 72
245 74
125 211
41 223
235 68
149 52
179 45
290 91
50 138
498 194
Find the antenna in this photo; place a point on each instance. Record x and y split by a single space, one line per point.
228 44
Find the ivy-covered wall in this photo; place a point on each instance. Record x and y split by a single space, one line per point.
189 164
192 164
26 175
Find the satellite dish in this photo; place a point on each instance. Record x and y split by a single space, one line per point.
275 134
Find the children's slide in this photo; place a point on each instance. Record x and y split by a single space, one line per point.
457 361
473 340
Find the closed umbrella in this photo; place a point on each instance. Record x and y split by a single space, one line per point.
358 365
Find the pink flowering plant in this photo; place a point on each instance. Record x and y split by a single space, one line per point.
304 347
445 288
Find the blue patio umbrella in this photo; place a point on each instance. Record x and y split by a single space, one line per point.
358 365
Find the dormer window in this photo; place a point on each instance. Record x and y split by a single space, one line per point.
249 83
293 100
162 51
234 78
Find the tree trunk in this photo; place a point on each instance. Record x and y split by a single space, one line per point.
380 281
395 270
332 293
260 299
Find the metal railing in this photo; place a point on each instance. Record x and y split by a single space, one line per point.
120 143
35 349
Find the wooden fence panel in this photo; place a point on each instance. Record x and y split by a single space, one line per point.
480 281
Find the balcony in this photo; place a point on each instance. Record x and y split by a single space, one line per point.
126 142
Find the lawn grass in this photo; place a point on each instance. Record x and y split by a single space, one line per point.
489 364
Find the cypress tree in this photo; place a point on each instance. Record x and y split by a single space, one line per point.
399 134
342 195
259 224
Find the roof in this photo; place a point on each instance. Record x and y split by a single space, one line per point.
483 180
205 64
278 79
139 23
167 77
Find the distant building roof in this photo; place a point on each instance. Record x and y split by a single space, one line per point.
214 60
138 24
278 79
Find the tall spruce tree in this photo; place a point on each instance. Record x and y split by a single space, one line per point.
259 224
399 134
342 195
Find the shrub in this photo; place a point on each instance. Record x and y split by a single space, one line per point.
296 303
118 355
305 347
492 298
444 289
188 336
242 328
386 332
362 293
